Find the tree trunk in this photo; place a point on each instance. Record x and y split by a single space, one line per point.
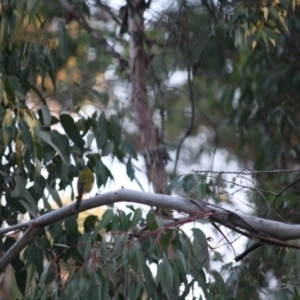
156 156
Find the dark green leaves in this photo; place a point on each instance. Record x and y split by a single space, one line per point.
129 169
136 217
106 219
20 274
18 265
101 131
62 40
90 223
9 90
52 141
102 173
101 97
46 115
71 130
25 134
115 131
200 248
34 255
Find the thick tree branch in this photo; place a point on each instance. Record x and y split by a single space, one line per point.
266 231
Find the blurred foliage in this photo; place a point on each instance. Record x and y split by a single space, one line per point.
243 62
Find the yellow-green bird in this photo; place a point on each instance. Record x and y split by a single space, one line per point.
85 184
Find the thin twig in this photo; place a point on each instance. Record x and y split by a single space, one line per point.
248 250
248 172
191 92
109 11
279 194
224 236
79 17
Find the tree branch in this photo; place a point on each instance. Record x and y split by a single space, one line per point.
279 194
190 80
79 17
248 172
266 231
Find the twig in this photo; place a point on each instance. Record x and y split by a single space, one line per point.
95 34
279 194
249 172
191 94
198 63
248 250
108 9
224 236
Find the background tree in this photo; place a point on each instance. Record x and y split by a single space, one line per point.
60 109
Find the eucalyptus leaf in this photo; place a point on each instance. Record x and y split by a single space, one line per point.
47 139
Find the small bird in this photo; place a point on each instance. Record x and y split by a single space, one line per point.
85 184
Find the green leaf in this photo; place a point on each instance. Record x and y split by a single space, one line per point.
265 39
105 289
72 130
220 284
136 217
101 131
102 173
29 6
218 256
115 131
106 218
29 204
55 196
108 148
62 142
129 169
20 186
89 223
25 134
226 266
43 68
151 221
148 281
9 90
137 258
72 230
181 267
166 239
101 97
36 90
283 295
50 70
34 255
21 276
43 277
47 139
200 248
46 115
274 11
8 243
3 30
129 149
54 61
120 243
1 89
62 40
88 242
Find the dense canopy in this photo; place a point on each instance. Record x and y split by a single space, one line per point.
202 97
